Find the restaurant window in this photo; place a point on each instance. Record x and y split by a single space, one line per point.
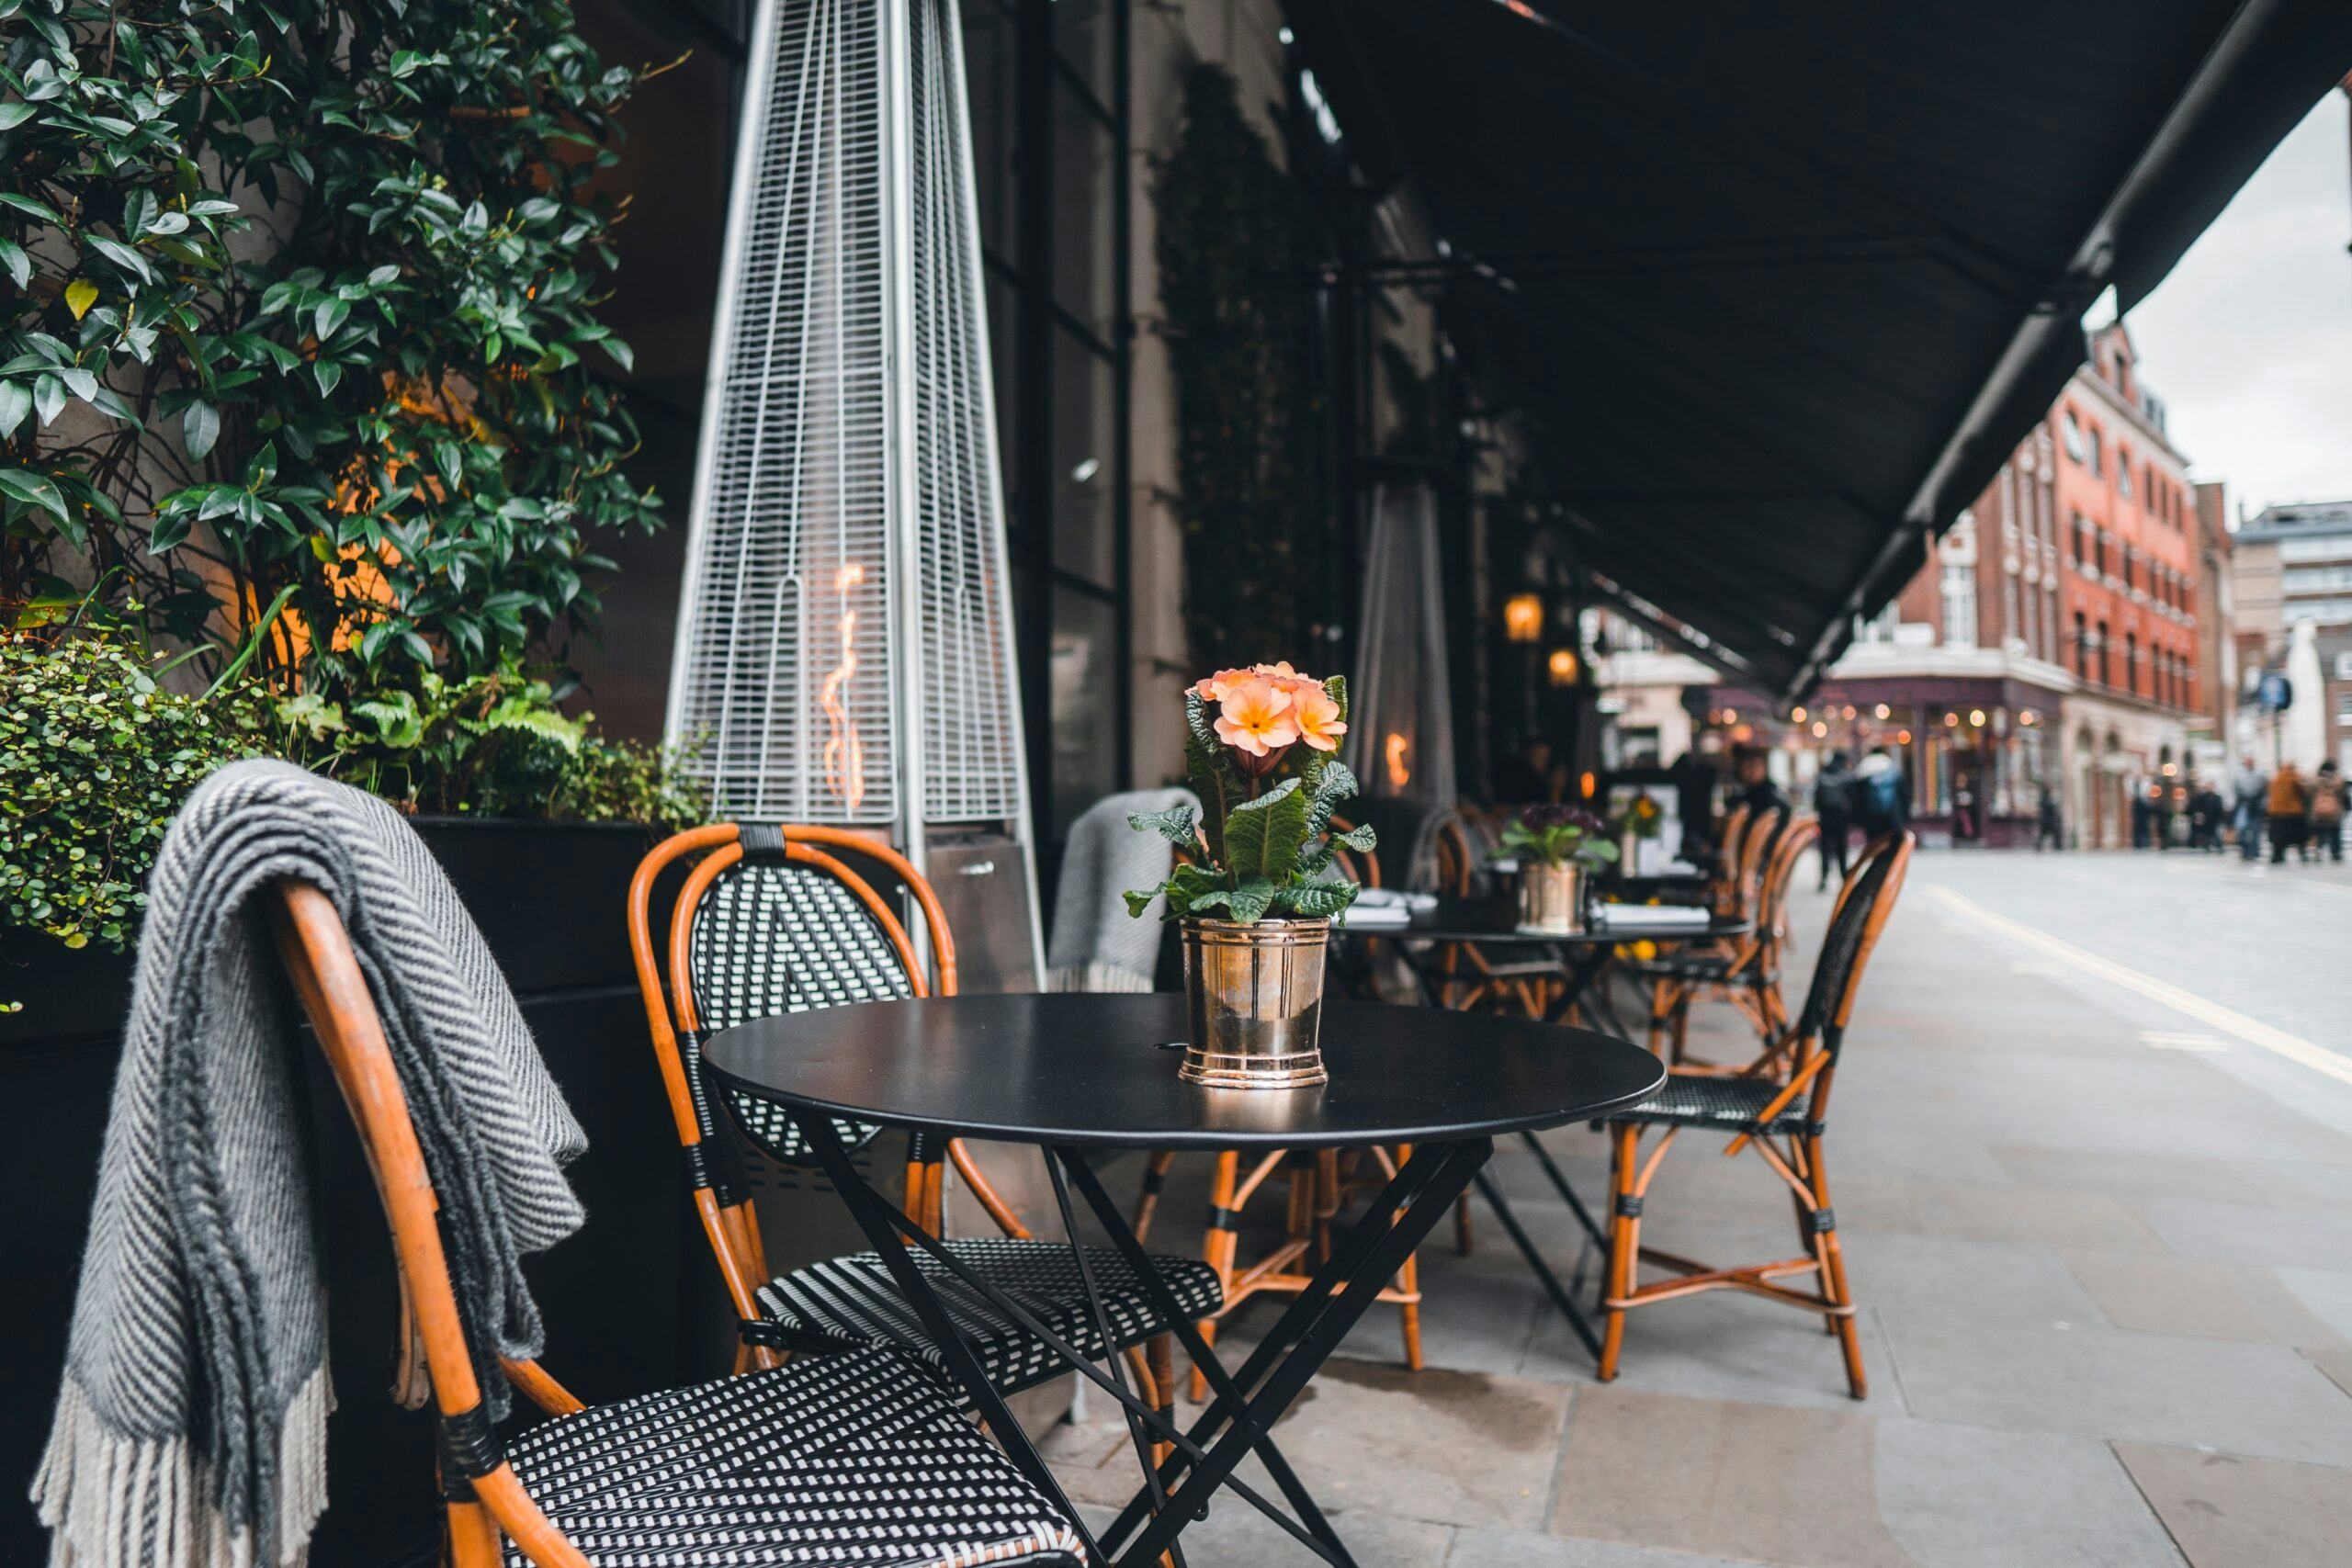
1047 83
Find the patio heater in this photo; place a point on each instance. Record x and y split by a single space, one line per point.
1400 718
845 651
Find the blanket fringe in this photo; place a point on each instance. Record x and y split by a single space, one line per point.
116 1502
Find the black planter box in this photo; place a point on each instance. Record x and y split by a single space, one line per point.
619 1298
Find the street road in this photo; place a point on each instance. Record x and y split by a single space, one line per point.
2251 965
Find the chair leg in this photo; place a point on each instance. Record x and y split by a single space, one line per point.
1160 1356
1327 1200
1624 1246
1832 1258
1462 1225
1155 1176
1408 1280
1217 1243
1660 1010
473 1539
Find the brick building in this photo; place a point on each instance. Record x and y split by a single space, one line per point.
2291 564
2052 640
2211 730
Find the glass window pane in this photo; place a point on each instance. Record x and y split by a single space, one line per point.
1086 36
1084 686
1085 210
1085 458
992 80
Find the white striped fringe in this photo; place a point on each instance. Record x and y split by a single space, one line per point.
116 1502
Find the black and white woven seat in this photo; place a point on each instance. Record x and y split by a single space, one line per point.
852 1300
1731 1104
856 1460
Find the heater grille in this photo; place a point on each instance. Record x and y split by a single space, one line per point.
789 695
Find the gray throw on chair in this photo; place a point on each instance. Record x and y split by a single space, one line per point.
1097 945
191 1429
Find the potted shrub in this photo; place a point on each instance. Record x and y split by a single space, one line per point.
1557 847
1255 890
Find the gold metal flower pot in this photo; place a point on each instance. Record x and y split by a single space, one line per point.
1256 1003
1550 897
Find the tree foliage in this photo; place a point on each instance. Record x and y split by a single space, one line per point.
301 295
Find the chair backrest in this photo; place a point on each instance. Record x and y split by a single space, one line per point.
1727 859
334 994
1761 832
1780 871
770 921
1864 902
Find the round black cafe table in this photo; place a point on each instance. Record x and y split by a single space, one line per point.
1077 1073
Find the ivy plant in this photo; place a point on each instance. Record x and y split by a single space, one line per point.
301 296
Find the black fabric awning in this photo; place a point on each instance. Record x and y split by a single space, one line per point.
1777 289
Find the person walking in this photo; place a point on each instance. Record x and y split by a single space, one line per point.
2254 808
1881 802
2289 799
2331 798
1833 805
2049 825
2206 814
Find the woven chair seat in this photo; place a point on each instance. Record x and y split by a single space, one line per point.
1733 1104
852 1300
856 1460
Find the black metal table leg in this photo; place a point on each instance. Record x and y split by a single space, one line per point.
1561 1298
1389 1245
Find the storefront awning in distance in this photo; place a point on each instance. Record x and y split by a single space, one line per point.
1776 290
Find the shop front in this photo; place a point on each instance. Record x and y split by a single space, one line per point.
1976 753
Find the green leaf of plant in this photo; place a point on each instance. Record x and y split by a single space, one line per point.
14 115
1262 836
330 314
16 401
1175 825
200 427
19 265
34 490
1314 900
1250 901
49 397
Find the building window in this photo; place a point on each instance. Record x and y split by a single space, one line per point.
2124 472
2131 662
2082 648
2073 435
1959 606
2106 669
2098 455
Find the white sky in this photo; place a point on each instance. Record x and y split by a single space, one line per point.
2249 341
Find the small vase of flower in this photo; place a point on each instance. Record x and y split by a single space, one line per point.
1641 818
1256 885
1556 846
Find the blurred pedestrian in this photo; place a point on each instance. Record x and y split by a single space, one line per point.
2049 825
1525 777
2289 799
2160 815
1752 783
2253 808
2144 813
1833 802
2331 797
2206 815
1882 801
1694 804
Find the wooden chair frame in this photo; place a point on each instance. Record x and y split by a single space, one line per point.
1808 1054
484 1498
729 1220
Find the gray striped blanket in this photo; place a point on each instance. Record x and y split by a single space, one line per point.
191 1429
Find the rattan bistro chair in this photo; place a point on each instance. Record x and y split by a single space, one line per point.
1782 1117
772 921
837 1460
1744 971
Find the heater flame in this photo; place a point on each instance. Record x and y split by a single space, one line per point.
1399 775
844 749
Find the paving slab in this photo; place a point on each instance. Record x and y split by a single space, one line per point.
1519 1548
2157 1173
1972 1498
1716 1478
2229 1511
2235 1233
2012 1211
1725 1345
2208 1299
2265 1399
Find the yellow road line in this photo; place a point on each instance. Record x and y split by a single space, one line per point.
2214 1015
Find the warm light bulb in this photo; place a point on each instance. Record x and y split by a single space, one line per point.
1563 667
1522 617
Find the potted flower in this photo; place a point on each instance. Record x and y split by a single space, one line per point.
1556 846
1255 887
1640 818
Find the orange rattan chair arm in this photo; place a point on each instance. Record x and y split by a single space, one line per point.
540 1387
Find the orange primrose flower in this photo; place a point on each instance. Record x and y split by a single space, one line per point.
1317 715
1256 718
1218 687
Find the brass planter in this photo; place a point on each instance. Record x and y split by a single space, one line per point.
1550 897
1255 996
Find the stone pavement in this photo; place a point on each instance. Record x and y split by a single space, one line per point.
2103 1248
